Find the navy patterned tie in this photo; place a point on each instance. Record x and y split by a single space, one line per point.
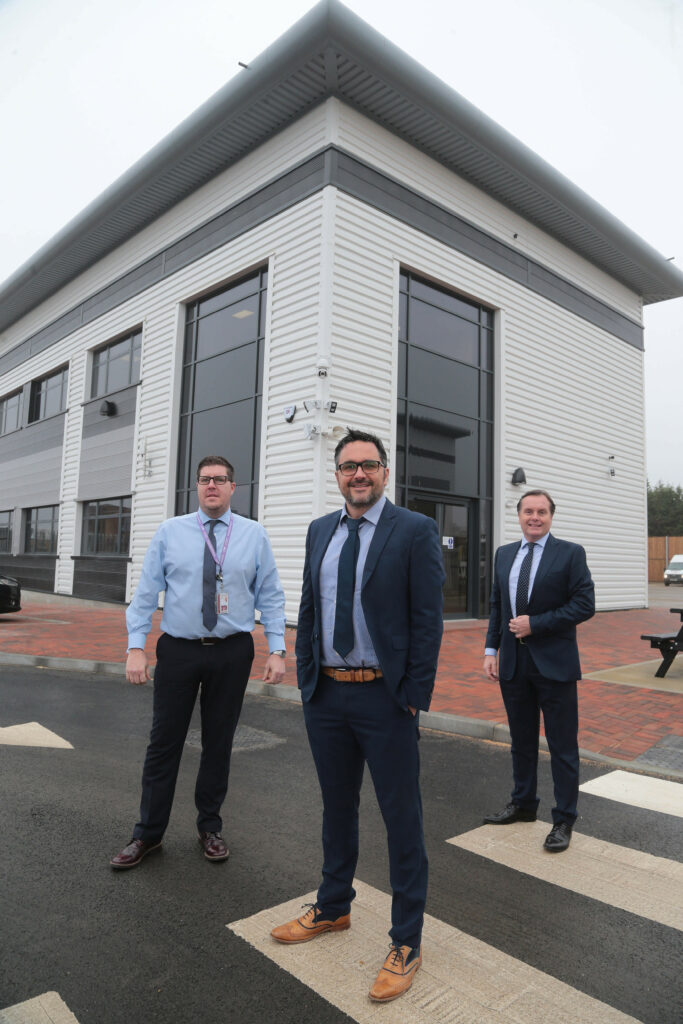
522 596
209 614
343 640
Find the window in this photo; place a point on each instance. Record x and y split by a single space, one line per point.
116 366
48 395
106 527
222 387
10 412
6 533
41 530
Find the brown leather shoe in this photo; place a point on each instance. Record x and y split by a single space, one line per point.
132 854
213 845
396 977
303 929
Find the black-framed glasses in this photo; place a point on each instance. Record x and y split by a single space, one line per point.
369 466
219 480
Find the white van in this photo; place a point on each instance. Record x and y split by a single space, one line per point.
674 571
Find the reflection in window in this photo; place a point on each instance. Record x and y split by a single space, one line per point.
6 532
221 388
48 395
106 527
10 413
40 535
116 366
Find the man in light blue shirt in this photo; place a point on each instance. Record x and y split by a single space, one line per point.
215 568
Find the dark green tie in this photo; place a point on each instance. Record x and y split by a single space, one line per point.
522 596
209 614
342 640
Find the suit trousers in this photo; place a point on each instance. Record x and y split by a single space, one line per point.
526 695
183 666
348 725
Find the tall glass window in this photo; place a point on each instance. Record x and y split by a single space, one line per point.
42 524
106 527
444 428
116 366
222 388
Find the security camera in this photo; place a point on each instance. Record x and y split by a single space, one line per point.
322 367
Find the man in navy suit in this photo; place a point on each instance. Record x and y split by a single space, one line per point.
369 632
541 590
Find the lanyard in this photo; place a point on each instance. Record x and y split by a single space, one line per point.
210 546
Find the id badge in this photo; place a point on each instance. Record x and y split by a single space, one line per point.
221 603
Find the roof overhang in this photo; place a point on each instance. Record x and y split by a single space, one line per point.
332 52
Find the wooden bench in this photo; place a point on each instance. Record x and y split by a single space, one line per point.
668 645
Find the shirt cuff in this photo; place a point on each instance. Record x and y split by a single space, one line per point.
137 640
276 642
491 650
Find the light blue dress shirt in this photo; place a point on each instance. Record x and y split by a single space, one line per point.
363 653
514 574
174 563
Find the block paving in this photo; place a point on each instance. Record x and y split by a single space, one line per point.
618 721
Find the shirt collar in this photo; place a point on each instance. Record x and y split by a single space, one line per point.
372 515
539 543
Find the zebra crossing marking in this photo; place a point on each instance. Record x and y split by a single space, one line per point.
32 734
639 791
640 883
461 979
49 1008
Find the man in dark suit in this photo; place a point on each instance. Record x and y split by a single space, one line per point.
541 590
369 632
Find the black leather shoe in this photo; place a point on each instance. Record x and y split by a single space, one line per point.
131 855
559 837
509 814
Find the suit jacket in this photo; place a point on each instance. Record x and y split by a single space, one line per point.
562 596
401 597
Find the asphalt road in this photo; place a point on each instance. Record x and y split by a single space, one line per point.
151 945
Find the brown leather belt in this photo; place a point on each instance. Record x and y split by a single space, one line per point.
352 675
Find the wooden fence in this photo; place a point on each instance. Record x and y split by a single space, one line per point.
657 555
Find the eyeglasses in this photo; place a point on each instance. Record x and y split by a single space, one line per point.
218 480
351 468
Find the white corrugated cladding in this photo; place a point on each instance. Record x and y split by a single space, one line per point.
573 393
389 153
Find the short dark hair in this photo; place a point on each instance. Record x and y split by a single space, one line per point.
352 435
216 460
531 494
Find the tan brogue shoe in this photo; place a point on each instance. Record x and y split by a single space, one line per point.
396 977
303 929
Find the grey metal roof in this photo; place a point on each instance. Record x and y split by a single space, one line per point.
332 52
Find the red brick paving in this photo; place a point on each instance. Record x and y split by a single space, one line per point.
615 720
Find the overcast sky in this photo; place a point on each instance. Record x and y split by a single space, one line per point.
593 86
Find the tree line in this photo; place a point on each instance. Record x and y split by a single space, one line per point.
664 510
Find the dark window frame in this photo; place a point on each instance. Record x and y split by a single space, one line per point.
41 389
102 362
244 289
6 531
92 513
4 405
31 522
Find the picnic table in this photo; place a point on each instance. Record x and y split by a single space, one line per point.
668 644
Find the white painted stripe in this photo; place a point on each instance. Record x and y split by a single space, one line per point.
46 1009
32 734
649 886
639 791
462 979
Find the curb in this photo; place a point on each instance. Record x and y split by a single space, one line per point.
437 721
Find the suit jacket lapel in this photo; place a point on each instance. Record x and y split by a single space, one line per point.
318 551
383 530
545 565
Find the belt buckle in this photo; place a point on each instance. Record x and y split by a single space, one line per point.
208 641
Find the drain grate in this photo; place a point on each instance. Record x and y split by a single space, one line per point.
667 753
246 738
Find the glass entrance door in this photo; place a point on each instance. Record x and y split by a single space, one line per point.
454 525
